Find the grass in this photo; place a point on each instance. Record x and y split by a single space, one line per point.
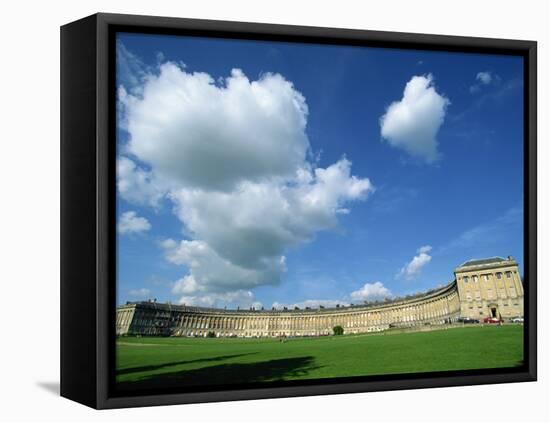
144 363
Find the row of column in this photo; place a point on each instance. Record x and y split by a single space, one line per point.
123 320
436 310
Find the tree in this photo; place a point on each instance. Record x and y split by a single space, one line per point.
338 330
211 334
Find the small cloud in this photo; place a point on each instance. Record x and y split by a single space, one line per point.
368 292
413 122
424 249
239 298
129 222
484 79
186 285
371 291
412 269
136 185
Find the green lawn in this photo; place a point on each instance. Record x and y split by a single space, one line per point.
169 362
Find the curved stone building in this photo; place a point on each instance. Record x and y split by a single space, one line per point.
482 288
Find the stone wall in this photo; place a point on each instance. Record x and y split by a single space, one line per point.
490 288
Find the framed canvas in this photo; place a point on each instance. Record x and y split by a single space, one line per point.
258 211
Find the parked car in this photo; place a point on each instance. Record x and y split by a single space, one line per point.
492 320
517 320
467 320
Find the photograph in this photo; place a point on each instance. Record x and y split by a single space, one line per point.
292 213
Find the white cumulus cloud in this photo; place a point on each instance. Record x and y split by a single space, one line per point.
253 225
413 268
199 134
412 123
242 235
129 223
233 158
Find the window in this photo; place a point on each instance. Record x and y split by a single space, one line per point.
475 278
499 275
508 274
486 277
466 279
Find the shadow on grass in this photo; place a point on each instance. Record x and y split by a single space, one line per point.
154 367
223 374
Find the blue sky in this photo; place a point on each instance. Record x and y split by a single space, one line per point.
396 186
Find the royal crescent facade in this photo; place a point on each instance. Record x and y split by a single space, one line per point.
481 288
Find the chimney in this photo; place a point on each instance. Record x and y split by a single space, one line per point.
510 258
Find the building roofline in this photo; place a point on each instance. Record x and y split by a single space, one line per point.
357 307
481 259
486 262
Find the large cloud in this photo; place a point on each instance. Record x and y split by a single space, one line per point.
413 122
200 134
255 223
232 157
241 236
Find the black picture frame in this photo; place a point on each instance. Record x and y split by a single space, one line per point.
88 192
